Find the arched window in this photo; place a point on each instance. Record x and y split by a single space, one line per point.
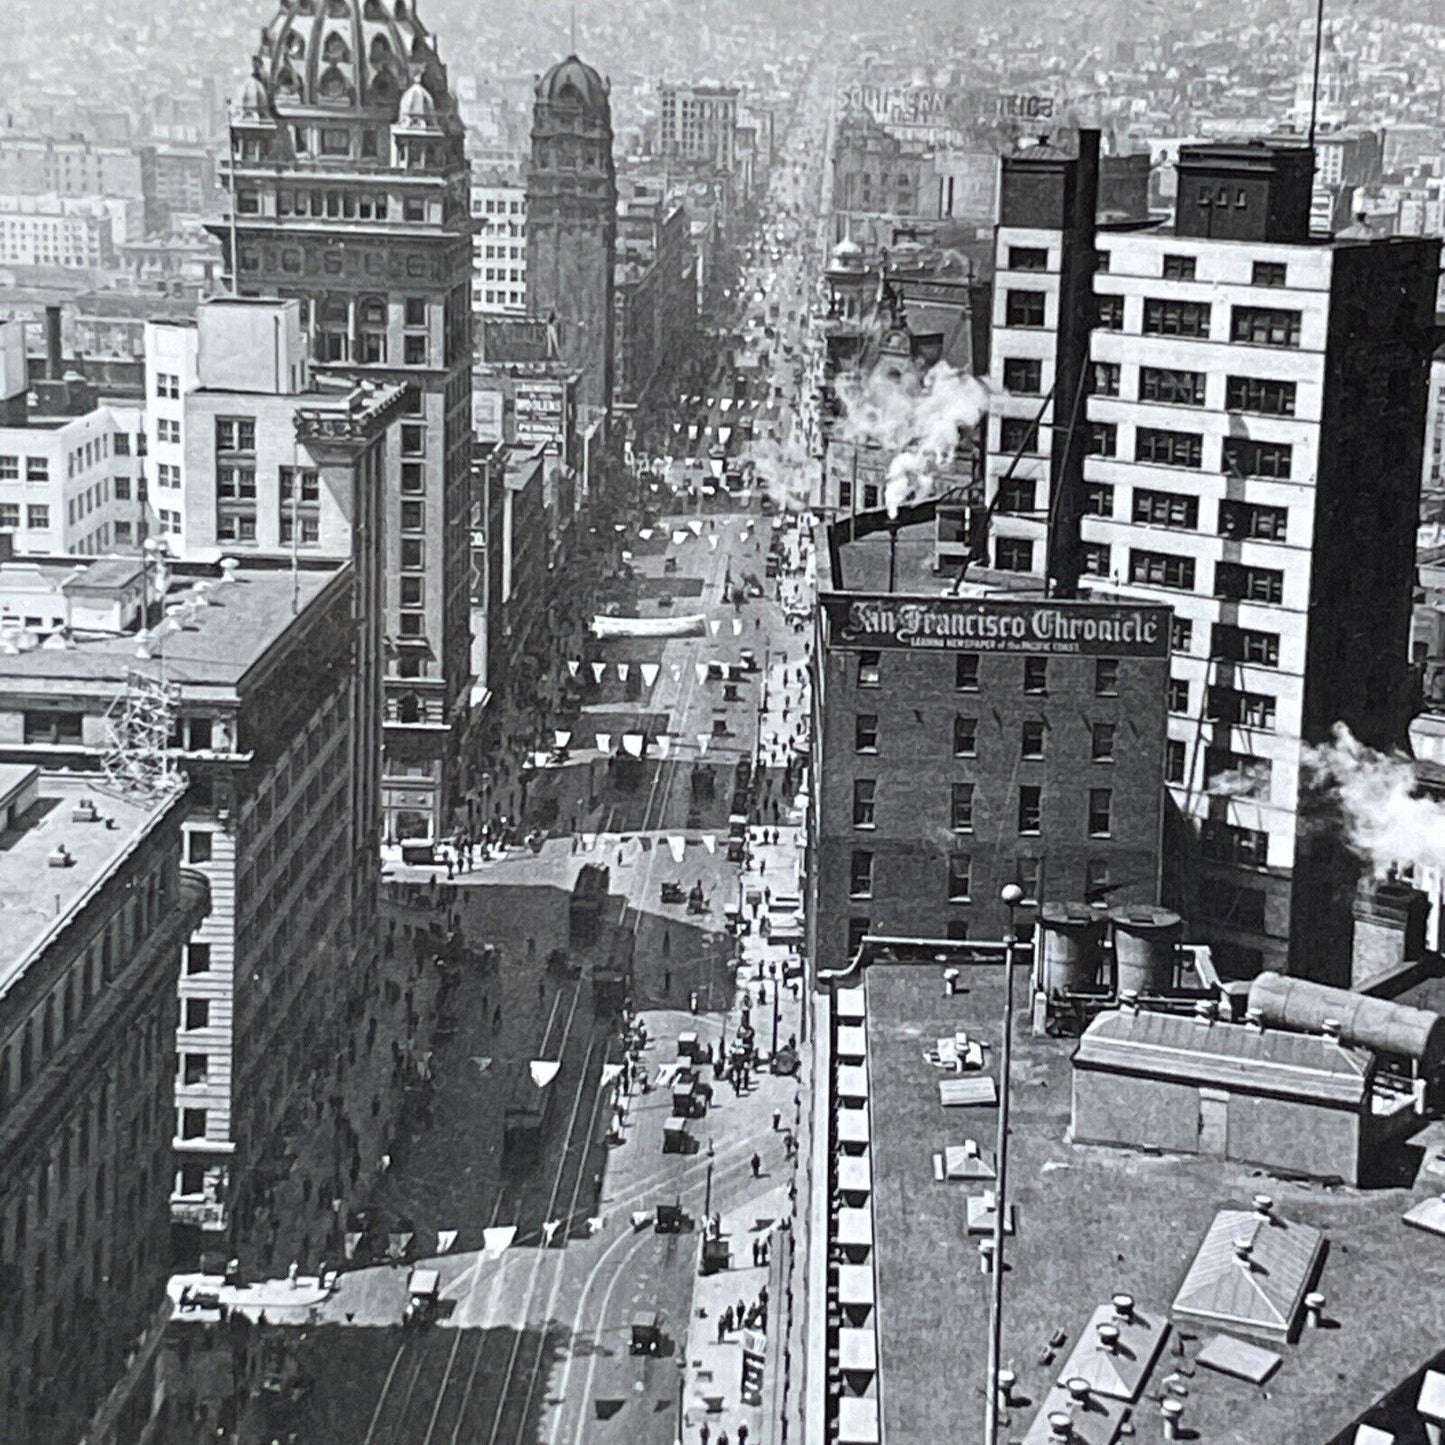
408 708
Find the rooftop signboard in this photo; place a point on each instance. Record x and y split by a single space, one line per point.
892 623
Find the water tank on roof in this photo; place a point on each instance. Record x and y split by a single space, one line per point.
1072 943
1146 947
1380 1024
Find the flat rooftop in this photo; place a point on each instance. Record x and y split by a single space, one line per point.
214 647
37 900
1092 1221
864 564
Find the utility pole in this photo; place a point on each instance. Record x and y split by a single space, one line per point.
1012 895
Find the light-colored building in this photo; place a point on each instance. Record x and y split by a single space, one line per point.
267 682
87 1063
68 484
81 232
170 373
699 122
1237 384
499 241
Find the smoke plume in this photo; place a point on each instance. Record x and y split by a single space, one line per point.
916 420
1385 820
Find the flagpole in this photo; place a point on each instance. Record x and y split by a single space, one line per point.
1315 85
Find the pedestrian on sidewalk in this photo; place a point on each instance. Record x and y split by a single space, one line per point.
742 1435
777 1120
722 1327
757 1165
704 1433
667 980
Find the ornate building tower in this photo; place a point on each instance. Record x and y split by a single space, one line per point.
572 220
351 193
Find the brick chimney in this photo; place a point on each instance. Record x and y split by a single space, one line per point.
1389 929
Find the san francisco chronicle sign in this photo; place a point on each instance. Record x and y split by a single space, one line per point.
947 624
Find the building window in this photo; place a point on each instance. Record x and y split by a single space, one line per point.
1101 812
1015 494
864 792
1244 644
1175 761
1165 509
197 1013
1260 395
1102 742
865 733
860 875
870 669
194 1068
1103 439
1095 559
1109 313
1036 675
9 514
236 434
857 932
1236 774
1178 695
1161 569
198 846
1239 583
1106 677
413 516
1030 808
1031 742
413 439
53 728
961 807
1170 387
960 877
1158 447
1022 376
965 672
1028 874
37 515
1178 268
1252 522
1106 378
1098 499
1181 634
198 957
1265 326
1014 554
1096 880
1243 458
965 737
1023 308
1018 434
193 1123
1028 258
1229 843
413 557
1240 709
1176 318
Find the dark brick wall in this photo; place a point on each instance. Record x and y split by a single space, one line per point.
916 703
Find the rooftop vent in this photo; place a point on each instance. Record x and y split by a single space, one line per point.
1061 1427
1254 1019
61 858
1123 1306
1331 1029
85 811
1243 1248
1109 1338
1263 1206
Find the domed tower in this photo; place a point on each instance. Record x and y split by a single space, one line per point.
572 220
351 193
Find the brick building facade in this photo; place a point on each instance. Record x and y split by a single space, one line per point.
964 743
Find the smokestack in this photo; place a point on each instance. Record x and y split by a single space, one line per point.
1315 1309
54 370
1061 1428
1124 1307
1109 1338
1172 1409
1264 1206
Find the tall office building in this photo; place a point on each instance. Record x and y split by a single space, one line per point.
350 190
572 221
1253 413
699 122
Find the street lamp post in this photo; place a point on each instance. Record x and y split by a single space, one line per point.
707 1196
1011 895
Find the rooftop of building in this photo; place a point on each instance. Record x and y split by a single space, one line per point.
1090 1222
37 894
213 645
862 562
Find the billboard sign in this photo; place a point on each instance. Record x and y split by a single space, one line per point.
486 415
541 414
894 623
